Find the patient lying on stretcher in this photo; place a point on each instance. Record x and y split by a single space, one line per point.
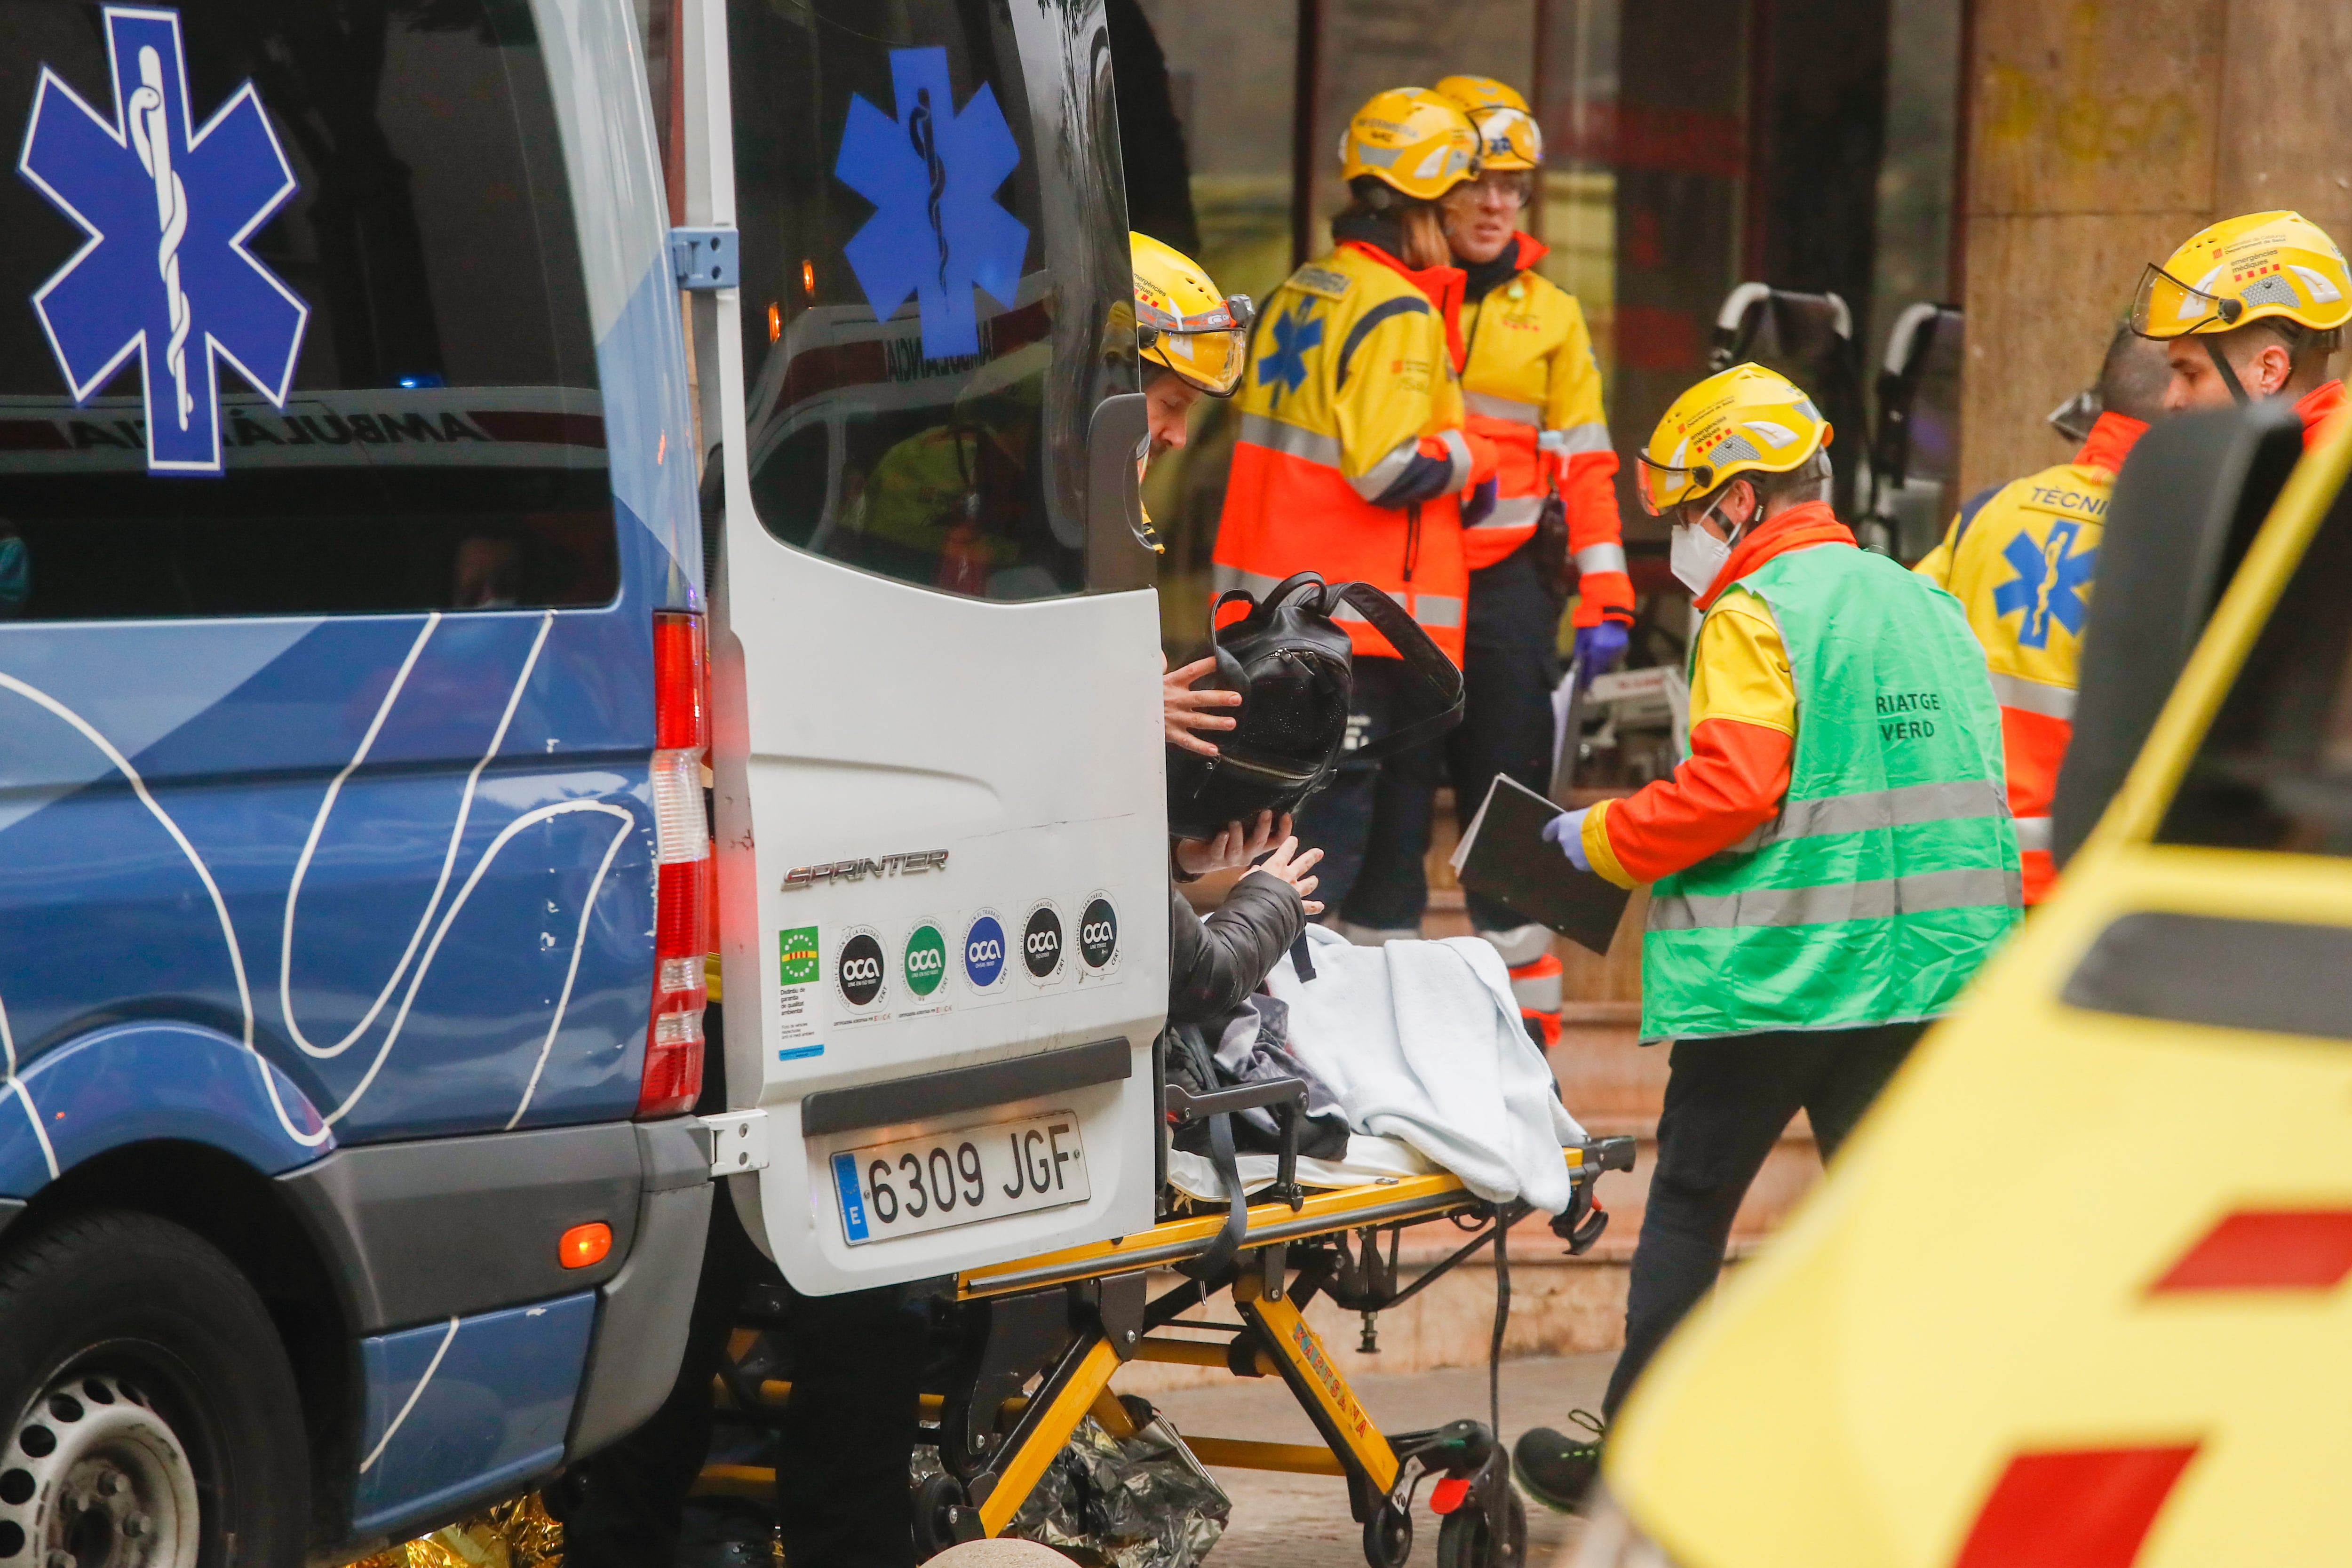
1413 1054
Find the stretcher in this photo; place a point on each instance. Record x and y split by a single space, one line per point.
1043 1338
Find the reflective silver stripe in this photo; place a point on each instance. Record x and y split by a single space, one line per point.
1347 612
2033 832
2033 696
1262 430
1375 481
1880 900
1601 558
1513 511
1222 578
1494 408
1437 610
1950 800
1458 450
1590 437
1429 609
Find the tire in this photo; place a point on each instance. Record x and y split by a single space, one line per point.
937 1499
1388 1537
154 1420
1464 1540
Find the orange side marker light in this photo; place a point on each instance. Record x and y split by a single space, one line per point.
586 1246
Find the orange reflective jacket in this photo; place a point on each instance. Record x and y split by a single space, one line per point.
1351 455
1533 388
2021 559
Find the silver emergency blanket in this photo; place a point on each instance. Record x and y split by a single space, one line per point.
1144 1502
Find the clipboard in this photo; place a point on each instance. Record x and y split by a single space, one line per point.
1503 856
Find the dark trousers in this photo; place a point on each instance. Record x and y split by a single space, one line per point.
1371 822
841 1473
1727 1103
842 1488
1509 671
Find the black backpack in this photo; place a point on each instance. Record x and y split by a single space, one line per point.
1291 664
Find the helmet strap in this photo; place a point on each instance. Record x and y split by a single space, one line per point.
2221 367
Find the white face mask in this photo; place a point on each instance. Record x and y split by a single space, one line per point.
1696 557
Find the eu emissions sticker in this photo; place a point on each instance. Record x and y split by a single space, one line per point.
853 1206
798 999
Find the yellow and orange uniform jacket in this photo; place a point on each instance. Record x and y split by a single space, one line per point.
1351 456
2021 559
1533 388
1743 723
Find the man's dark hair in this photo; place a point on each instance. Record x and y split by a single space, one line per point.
2133 376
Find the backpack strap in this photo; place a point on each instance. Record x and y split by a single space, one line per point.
1421 655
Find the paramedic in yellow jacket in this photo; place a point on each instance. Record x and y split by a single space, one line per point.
1351 460
1532 387
2021 558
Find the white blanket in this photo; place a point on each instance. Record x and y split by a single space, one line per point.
1421 1042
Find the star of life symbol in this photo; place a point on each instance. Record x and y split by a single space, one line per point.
2048 585
168 208
938 230
1285 368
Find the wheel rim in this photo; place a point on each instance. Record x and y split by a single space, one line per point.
92 1477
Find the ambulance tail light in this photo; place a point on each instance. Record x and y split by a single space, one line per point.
673 1075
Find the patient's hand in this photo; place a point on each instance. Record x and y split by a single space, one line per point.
1184 711
1287 865
1236 845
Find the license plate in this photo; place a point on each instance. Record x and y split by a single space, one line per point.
944 1179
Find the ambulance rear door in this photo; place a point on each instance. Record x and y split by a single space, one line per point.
943 882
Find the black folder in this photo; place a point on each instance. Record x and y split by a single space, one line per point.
1503 856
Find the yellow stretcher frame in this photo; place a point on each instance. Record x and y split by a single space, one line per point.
1036 1427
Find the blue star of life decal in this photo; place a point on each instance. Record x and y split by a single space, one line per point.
938 230
2048 585
1285 368
168 208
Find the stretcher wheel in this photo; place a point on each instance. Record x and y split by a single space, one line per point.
1388 1537
937 1500
1466 1540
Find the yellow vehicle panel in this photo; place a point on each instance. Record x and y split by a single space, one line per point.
2075 1291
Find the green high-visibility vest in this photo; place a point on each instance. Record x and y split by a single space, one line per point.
1891 870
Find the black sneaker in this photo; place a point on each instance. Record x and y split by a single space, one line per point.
1556 1470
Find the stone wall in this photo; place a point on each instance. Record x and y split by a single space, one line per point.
2101 134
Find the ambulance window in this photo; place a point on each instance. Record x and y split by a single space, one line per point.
2274 772
417 299
917 386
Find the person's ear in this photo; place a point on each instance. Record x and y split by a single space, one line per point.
2275 366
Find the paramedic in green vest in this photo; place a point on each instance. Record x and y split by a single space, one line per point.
1827 867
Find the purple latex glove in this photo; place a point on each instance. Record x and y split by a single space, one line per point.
1566 830
1598 649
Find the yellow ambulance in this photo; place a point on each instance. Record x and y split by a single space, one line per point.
2076 1294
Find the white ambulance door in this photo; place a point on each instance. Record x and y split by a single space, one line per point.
942 878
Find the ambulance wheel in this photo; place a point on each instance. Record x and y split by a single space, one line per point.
1388 1537
1466 1540
939 1508
153 1418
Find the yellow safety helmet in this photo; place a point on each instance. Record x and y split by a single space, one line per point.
1182 322
2264 264
1413 141
1509 137
1743 420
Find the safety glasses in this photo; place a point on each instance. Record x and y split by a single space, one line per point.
1209 350
2165 307
1662 487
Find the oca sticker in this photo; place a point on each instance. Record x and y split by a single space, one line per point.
1041 942
859 970
925 958
1098 932
983 952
